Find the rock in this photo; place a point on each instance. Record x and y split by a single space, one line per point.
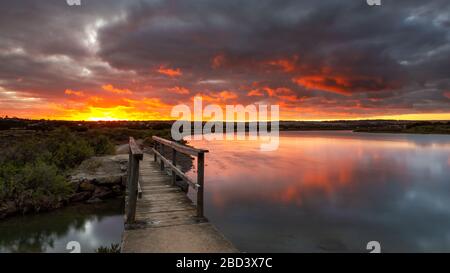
94 200
86 186
102 192
105 180
74 184
8 208
117 189
99 177
80 196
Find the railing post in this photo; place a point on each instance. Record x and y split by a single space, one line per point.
130 162
200 182
133 180
162 153
174 162
132 190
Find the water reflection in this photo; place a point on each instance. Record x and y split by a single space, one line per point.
91 225
331 191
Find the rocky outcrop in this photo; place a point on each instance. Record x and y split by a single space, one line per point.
8 208
95 180
99 178
28 205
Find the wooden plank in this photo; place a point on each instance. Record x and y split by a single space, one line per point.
200 181
139 190
133 190
172 215
134 149
177 171
178 147
158 197
174 163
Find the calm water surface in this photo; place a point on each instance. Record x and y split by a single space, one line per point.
331 191
93 226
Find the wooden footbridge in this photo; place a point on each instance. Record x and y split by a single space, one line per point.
159 217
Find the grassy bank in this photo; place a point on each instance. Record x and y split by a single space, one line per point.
33 168
35 164
414 128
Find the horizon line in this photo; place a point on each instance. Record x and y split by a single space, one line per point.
224 121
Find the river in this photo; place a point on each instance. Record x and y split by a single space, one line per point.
331 191
91 225
328 191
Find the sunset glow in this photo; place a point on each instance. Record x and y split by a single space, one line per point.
130 65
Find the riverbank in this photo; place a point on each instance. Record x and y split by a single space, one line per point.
417 128
46 167
35 168
93 181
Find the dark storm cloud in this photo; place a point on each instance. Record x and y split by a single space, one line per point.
43 45
381 47
396 55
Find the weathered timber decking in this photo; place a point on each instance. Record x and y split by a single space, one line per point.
166 219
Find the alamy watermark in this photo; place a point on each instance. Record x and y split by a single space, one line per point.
252 122
73 2
373 2
78 2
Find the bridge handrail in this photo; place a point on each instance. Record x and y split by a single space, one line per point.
180 148
133 188
158 151
134 149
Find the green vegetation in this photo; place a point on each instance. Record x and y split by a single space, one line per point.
35 163
33 170
101 144
426 128
412 128
121 135
114 248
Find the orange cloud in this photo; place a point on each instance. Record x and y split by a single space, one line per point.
111 88
255 93
282 93
75 93
228 95
218 61
170 72
343 85
285 64
329 84
179 90
220 97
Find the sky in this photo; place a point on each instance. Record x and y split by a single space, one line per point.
135 60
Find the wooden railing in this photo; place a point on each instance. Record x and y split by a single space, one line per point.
175 148
133 187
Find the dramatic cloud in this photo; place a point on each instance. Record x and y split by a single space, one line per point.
179 90
75 93
170 72
135 59
111 88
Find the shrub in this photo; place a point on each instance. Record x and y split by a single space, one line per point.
33 171
114 248
102 145
33 184
68 155
42 183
